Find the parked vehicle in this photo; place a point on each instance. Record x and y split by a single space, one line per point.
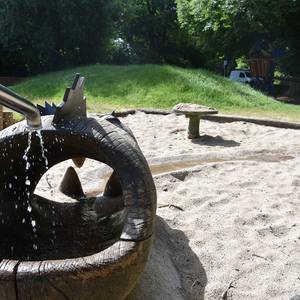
243 76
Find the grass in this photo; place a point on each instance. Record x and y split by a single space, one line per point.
152 86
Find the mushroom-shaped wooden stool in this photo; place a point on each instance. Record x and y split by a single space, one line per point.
194 112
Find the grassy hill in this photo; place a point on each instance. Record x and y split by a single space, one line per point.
152 86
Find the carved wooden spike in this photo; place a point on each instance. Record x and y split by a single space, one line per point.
71 185
112 200
113 187
78 161
74 102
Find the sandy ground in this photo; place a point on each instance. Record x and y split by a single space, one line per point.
230 222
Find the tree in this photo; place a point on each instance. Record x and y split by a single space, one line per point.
40 35
151 29
229 28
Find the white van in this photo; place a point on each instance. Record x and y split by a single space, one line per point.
243 76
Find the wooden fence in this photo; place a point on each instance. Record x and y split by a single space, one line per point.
262 67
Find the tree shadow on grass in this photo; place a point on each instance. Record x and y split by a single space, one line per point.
208 140
174 271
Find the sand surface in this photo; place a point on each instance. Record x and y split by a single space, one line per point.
232 217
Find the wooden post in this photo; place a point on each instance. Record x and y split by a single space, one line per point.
194 123
1 117
6 118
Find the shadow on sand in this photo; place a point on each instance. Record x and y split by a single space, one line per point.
174 271
208 140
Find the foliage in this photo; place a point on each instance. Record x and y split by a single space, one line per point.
39 35
290 64
242 63
229 28
111 87
151 28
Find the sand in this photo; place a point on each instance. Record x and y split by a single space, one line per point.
231 218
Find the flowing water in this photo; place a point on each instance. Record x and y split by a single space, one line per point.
27 192
57 231
43 151
166 167
39 134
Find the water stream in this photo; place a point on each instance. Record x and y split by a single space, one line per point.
177 165
56 231
28 182
27 192
39 134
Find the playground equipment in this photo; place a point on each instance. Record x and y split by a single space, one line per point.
193 112
48 250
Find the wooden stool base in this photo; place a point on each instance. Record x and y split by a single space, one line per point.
193 130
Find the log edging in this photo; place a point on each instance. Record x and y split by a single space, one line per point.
221 118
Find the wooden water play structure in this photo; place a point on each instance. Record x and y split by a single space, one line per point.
99 272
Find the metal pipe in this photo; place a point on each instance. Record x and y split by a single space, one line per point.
19 104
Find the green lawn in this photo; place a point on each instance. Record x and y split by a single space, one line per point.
152 86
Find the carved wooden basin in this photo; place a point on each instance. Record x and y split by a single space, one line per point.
105 274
